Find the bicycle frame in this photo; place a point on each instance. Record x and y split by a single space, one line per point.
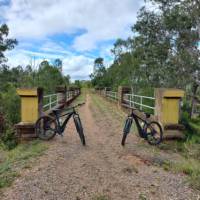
139 127
61 126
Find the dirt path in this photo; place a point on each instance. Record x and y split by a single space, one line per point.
101 170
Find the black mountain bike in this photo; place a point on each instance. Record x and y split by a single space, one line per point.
150 131
47 126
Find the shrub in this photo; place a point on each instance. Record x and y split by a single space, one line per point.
8 139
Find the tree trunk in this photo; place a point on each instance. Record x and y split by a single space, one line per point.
194 92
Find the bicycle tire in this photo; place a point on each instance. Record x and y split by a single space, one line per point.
46 127
126 130
151 129
79 129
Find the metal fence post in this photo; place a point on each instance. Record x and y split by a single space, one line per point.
140 103
50 102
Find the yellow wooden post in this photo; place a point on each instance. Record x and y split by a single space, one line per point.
167 107
29 104
31 109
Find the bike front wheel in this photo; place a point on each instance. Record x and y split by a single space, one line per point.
126 130
45 128
79 129
154 133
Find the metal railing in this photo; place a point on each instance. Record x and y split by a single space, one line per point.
135 101
53 99
112 95
50 100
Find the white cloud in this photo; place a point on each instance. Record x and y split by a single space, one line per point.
53 47
33 21
77 66
102 20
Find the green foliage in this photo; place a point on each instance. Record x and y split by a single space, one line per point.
8 139
99 74
5 43
48 77
10 104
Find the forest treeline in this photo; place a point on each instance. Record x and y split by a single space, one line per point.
163 51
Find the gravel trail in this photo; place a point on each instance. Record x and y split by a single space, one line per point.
102 170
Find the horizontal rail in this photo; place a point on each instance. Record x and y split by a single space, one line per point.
52 100
112 95
131 101
146 97
46 96
143 105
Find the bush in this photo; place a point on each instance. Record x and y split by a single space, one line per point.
8 139
10 105
10 115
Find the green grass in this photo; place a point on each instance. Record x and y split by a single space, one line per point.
101 197
81 98
189 163
142 197
17 159
190 167
108 107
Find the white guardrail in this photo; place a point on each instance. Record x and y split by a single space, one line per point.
52 100
112 95
133 100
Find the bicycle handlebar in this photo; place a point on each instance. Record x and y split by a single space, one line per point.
72 107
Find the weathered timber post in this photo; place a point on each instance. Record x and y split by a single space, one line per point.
75 92
121 91
167 111
31 110
107 89
62 96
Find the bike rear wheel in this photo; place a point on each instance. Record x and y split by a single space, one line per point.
154 133
126 130
46 127
79 129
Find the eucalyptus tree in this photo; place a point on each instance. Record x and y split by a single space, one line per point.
5 42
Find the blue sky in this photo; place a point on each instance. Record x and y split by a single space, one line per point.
76 31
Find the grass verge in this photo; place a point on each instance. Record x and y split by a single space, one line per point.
12 162
189 163
82 97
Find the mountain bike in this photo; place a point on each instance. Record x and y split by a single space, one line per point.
150 131
47 126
